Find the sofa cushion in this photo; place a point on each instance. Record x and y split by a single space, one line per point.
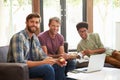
3 53
13 71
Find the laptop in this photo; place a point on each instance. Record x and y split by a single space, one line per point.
96 63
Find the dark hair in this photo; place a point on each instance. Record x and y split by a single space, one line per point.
55 19
82 25
32 15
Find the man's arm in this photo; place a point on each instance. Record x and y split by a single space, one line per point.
88 51
45 49
100 50
98 42
61 50
67 55
15 53
47 60
54 56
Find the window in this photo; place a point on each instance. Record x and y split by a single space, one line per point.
73 16
51 8
70 13
107 21
12 18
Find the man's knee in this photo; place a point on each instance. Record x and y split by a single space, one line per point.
108 59
115 53
39 71
48 67
71 63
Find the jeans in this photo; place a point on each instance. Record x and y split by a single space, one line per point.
48 72
59 72
43 71
71 64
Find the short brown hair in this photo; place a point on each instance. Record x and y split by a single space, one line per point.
32 15
82 25
55 19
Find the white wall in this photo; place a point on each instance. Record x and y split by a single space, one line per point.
117 36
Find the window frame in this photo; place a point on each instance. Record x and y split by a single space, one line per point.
87 16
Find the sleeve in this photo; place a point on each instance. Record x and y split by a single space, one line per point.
41 53
16 51
62 41
98 41
41 40
79 49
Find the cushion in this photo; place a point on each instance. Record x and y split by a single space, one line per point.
3 53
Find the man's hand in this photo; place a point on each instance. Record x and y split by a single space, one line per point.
73 56
49 60
68 56
87 51
64 55
61 61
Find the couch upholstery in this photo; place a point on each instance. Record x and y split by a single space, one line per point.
3 53
11 71
15 71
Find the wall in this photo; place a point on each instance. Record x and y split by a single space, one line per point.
117 36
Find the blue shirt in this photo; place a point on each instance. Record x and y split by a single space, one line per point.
20 46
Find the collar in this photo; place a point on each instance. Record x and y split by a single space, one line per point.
26 34
87 37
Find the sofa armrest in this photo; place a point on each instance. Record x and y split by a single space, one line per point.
14 71
66 46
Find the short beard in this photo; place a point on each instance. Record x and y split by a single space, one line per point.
31 31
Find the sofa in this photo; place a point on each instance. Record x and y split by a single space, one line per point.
11 71
19 71
15 71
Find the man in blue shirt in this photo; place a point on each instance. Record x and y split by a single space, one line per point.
25 48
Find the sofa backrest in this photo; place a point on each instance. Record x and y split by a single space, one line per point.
3 53
66 46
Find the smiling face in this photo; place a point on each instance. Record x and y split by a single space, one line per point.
54 27
33 24
83 32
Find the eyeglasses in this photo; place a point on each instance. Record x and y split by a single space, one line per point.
84 31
